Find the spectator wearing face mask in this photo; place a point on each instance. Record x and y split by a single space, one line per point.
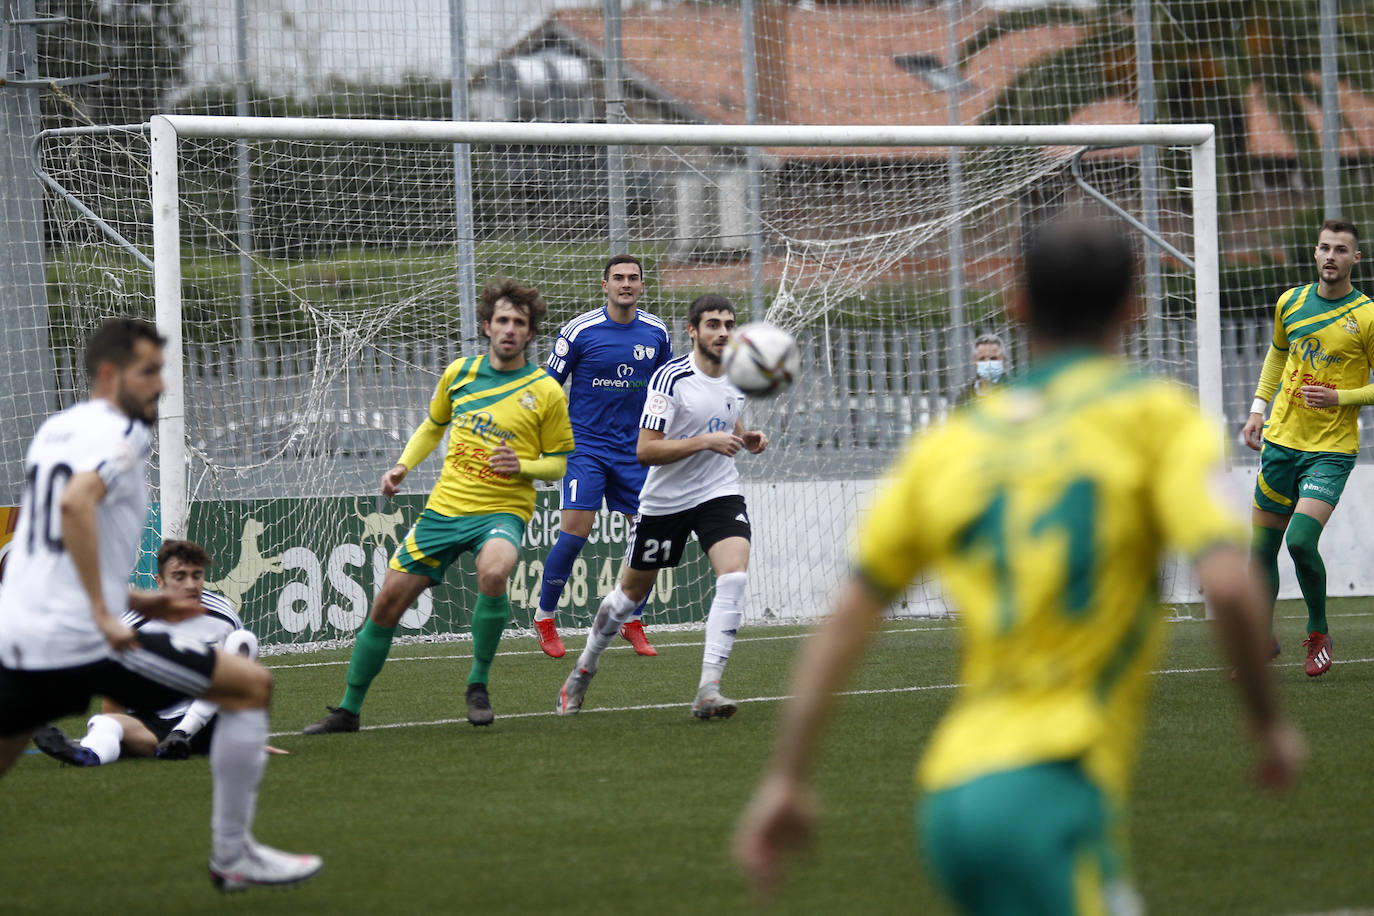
990 367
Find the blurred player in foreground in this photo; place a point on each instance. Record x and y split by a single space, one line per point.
1317 374
689 435
508 426
1046 507
186 727
67 586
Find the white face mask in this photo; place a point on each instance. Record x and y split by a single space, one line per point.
990 370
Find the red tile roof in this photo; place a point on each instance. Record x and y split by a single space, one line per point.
840 69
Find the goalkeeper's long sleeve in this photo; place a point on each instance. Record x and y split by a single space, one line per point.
422 442
548 467
1272 374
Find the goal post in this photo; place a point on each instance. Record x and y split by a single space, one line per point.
855 217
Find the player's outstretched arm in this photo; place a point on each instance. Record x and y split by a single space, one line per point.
780 814
1243 631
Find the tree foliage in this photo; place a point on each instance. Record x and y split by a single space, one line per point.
1208 57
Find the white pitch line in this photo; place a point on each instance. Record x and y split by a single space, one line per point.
876 691
659 645
935 625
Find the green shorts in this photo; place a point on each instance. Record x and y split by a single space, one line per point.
1039 839
1286 474
435 541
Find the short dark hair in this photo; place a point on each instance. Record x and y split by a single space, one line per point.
622 259
1341 224
114 340
520 296
188 552
711 302
1078 274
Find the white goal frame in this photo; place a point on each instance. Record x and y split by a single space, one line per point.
167 130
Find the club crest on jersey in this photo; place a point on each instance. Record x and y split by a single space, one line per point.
560 346
528 400
1352 326
643 352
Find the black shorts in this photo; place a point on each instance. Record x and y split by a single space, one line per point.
161 728
658 540
155 675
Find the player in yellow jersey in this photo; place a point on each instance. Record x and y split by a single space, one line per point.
508 426
1046 507
1318 363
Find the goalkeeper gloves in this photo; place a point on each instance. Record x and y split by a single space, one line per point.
176 746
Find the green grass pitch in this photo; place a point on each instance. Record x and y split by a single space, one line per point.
628 807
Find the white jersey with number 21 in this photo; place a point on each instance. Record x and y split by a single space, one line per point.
45 619
685 402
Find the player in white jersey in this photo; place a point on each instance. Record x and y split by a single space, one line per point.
689 435
66 587
184 728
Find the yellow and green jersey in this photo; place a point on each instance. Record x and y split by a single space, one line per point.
1327 342
1045 508
484 407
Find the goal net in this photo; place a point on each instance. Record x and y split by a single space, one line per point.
317 276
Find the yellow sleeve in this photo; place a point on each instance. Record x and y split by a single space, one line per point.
550 467
555 433
1187 492
890 550
1271 376
431 428
1349 397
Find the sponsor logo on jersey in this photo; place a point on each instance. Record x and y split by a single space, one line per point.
619 383
1311 352
716 424
483 425
624 370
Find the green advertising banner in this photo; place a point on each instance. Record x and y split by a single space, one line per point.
306 570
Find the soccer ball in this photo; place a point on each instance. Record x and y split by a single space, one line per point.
761 359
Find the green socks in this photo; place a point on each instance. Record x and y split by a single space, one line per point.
1303 533
488 621
369 654
1265 544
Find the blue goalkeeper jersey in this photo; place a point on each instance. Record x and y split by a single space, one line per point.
607 366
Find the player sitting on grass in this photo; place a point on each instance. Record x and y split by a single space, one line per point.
185 728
